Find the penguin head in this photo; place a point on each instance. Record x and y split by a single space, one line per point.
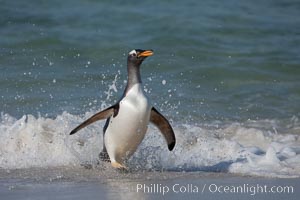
137 56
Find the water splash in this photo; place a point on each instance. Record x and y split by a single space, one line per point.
43 142
112 88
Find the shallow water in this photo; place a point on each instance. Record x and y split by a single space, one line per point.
72 183
226 74
263 148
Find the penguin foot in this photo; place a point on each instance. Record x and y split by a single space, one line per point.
118 165
103 156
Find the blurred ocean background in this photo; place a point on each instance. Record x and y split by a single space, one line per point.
227 70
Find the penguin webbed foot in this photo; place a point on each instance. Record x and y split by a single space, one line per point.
119 166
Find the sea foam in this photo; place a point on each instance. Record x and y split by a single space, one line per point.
262 148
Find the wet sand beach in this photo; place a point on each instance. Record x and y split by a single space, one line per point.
78 183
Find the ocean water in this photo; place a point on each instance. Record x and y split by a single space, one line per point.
226 74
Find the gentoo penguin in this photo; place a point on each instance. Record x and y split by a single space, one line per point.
127 120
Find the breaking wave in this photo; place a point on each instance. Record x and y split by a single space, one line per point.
263 148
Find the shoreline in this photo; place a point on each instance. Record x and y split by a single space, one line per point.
79 183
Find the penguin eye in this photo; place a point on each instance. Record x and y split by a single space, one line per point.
134 54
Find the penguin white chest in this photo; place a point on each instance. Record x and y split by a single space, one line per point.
127 129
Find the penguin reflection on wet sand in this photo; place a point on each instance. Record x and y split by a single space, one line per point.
127 121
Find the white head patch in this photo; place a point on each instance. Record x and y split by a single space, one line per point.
132 52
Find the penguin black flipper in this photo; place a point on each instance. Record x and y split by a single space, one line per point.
108 112
164 126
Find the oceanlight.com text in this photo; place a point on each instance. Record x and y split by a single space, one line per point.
248 189
251 189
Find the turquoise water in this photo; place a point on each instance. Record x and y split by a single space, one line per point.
225 73
231 60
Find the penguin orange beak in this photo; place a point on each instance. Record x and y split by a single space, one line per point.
146 53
